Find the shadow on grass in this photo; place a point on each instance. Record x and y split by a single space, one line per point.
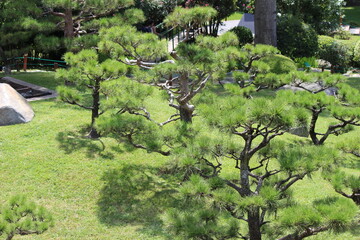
136 194
71 142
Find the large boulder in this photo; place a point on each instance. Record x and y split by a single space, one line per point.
14 108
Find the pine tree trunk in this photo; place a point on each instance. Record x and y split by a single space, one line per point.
95 110
186 113
254 224
312 133
69 24
265 22
186 110
10 236
356 197
253 214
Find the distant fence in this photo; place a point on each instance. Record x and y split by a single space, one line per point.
26 62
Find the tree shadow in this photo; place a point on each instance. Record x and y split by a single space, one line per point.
71 141
136 194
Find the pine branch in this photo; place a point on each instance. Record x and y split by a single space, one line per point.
306 233
171 119
131 141
344 194
243 192
294 178
72 102
353 152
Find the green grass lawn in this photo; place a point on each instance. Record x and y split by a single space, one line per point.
352 16
235 16
350 42
96 193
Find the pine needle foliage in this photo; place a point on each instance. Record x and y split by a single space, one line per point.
23 217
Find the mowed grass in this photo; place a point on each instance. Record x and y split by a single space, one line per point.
234 16
97 193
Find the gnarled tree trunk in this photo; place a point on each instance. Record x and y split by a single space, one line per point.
265 22
95 110
69 24
254 223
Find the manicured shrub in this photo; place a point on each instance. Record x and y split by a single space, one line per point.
243 34
336 53
295 38
357 52
325 40
342 34
280 64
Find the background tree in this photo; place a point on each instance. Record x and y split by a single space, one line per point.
224 9
155 11
323 16
23 217
74 14
21 22
190 19
87 73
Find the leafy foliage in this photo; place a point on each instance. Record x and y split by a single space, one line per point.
322 15
333 51
156 10
357 52
243 34
224 9
190 19
295 38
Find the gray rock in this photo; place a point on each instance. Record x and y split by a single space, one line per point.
299 131
14 108
313 87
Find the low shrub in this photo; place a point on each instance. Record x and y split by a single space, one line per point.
243 34
336 53
342 34
356 52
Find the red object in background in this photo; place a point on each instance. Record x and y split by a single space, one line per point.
25 62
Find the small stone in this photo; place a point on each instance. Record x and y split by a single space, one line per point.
300 131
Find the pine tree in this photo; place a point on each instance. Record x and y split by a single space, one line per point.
183 76
23 217
74 14
224 9
245 132
87 74
190 19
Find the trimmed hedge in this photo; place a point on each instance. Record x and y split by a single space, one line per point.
295 38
